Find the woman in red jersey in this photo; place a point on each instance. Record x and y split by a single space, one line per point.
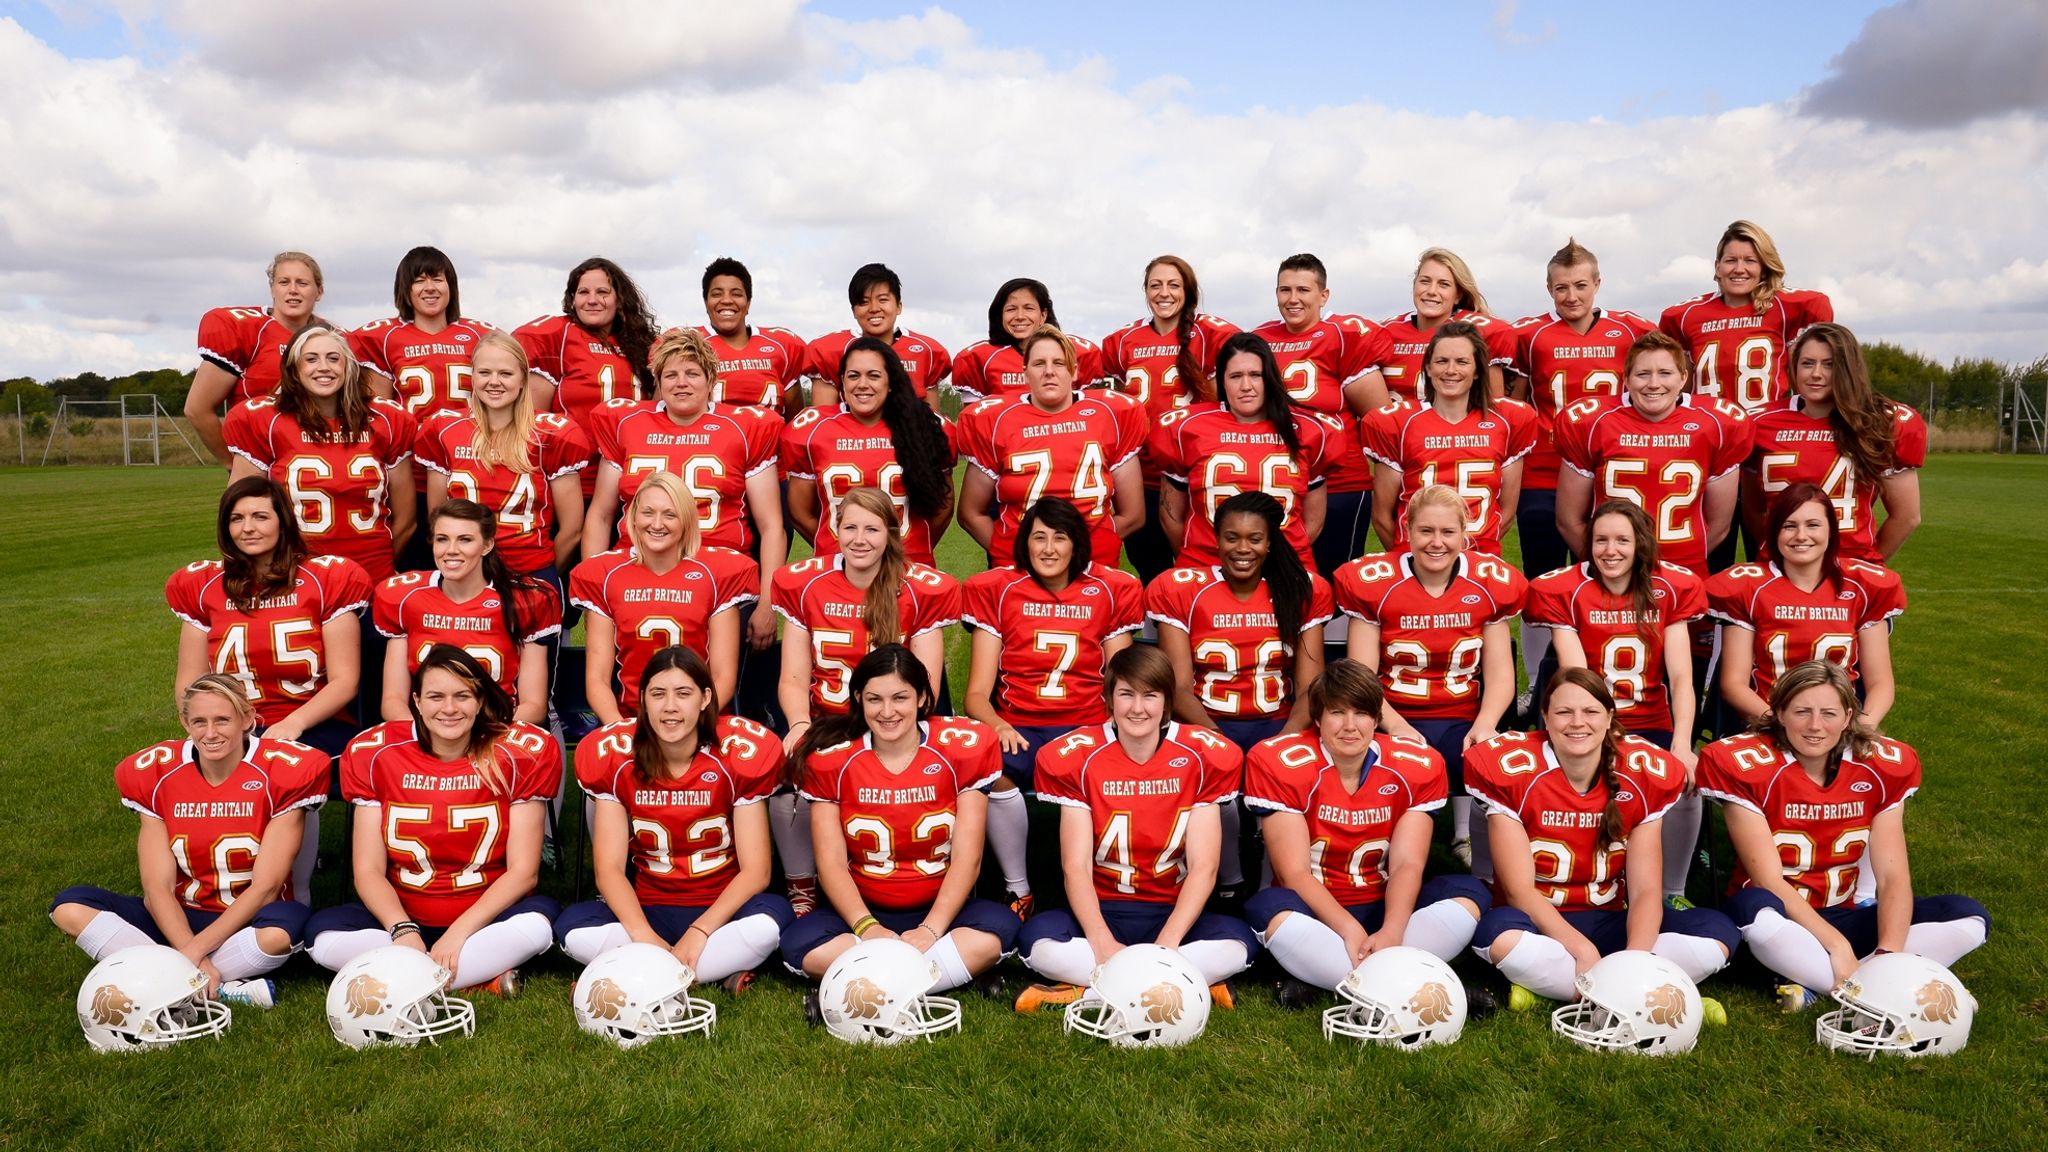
1859 447
876 294
1736 334
595 350
449 810
996 366
1443 289
241 350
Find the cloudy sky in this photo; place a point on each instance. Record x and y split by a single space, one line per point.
157 152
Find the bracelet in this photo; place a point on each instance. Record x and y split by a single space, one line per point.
402 927
934 931
863 924
794 725
696 928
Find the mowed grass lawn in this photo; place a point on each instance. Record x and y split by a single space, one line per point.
87 675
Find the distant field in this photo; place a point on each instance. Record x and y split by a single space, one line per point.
83 556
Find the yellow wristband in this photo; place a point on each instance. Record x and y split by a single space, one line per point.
863 924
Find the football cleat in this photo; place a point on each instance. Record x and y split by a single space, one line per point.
1295 995
803 894
1712 1013
1795 998
249 993
1145 996
1678 904
395 995
736 984
637 992
1036 996
1023 905
1633 1002
1462 849
1399 997
1521 999
1900 1004
878 992
1479 1003
1223 996
506 985
147 997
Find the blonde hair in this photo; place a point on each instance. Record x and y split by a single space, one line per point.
880 609
224 686
688 343
1469 295
1066 343
1435 496
1773 279
290 257
684 500
510 447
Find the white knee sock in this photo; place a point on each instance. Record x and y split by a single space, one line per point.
1009 834
1311 950
1699 956
331 950
586 944
1541 965
1681 838
1230 870
789 818
1947 941
1442 929
1217 960
1788 949
1535 646
952 969
309 852
739 945
1461 817
106 934
240 957
1064 961
496 948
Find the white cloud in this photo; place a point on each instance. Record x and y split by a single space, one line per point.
142 191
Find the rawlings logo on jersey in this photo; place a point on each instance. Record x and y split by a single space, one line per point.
111 1006
365 996
1937 1001
606 1000
1861 786
252 785
864 999
1623 797
1665 1004
1162 1004
1177 762
1431 1003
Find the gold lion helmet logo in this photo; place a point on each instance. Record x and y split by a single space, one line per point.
606 1000
111 1006
1666 1004
366 995
1162 1004
1431 1003
1937 1001
864 999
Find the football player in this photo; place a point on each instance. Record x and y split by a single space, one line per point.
449 809
995 366
1802 602
1344 809
594 351
898 818
1140 839
880 435
1432 621
876 294
222 817
1165 361
241 350
1572 812
1861 448
472 601
680 843
1253 439
1052 440
1457 436
757 367
1813 797
1443 289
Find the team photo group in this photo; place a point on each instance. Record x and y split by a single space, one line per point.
1239 621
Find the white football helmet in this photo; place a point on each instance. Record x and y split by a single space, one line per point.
393 995
1146 996
1902 1004
1401 997
148 996
1633 1002
876 993
636 992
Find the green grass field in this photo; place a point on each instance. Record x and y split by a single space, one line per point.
83 557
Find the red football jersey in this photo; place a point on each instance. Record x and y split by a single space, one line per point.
429 371
1244 667
650 611
1073 453
1207 450
275 649
983 370
1140 811
831 447
1626 650
586 369
1738 354
1822 833
1050 671
756 372
522 501
215 830
1145 366
1563 366
248 344
445 831
925 360
1431 647
1315 365
1348 832
816 595
714 456
1791 447
338 489
1405 343
1471 455
1793 625
682 846
1662 466
899 825
1517 775
412 606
